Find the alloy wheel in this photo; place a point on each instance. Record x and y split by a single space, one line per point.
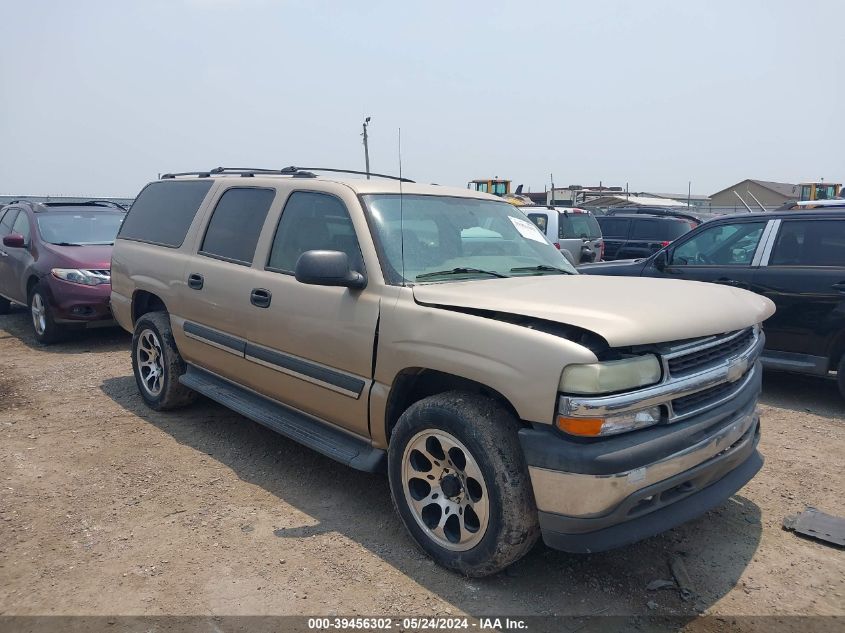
149 359
39 314
445 490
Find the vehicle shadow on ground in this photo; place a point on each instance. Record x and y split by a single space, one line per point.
803 393
17 325
716 548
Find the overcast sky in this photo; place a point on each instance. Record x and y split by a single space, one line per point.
98 97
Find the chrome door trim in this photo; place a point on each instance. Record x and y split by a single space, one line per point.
767 252
761 245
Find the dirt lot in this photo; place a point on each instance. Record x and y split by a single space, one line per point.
109 508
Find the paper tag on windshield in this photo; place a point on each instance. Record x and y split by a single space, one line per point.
527 229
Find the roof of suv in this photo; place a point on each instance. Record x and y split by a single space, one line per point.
379 183
642 216
827 213
670 212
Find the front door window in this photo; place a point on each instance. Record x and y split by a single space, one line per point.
721 245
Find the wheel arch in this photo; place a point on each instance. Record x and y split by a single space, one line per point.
837 350
143 302
412 384
31 282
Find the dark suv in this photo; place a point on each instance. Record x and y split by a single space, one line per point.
633 235
56 259
795 258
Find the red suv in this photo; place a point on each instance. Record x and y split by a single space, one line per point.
56 259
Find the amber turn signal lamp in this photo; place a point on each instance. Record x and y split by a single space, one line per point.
590 427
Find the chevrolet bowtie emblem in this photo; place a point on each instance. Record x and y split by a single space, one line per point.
737 370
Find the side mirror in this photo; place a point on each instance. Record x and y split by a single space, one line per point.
327 268
14 240
661 260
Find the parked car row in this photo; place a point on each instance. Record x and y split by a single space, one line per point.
621 233
444 336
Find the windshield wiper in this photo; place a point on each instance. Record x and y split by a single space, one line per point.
66 244
541 268
460 271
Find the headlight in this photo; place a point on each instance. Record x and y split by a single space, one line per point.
610 425
610 376
80 276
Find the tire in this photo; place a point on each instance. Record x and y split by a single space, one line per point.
46 330
157 364
5 305
840 375
491 491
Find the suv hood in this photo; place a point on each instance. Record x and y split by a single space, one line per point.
622 310
89 257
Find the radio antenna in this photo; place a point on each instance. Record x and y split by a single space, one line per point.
401 217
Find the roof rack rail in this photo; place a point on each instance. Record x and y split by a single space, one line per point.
296 172
105 203
83 203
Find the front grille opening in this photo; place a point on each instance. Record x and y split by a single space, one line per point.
702 359
694 401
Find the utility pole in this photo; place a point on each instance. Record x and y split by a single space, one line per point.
366 148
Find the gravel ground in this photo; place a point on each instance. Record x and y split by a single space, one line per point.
107 507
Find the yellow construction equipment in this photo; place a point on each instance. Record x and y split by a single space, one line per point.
494 185
501 188
819 191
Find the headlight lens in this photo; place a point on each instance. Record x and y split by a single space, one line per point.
610 376
81 276
611 425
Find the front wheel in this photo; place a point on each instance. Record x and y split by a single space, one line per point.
460 483
157 364
46 330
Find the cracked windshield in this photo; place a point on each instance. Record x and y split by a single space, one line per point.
450 239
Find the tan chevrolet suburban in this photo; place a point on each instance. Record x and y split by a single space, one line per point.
436 334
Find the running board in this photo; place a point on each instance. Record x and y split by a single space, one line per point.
297 426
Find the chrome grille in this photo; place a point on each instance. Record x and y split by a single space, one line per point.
708 398
703 357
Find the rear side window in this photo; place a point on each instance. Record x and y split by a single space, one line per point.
810 243
541 220
662 230
578 225
163 211
614 227
313 221
236 223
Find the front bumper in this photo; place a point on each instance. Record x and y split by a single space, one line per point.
76 303
680 499
600 494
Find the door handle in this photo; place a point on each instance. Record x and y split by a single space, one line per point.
4 254
260 298
195 281
729 282
840 286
